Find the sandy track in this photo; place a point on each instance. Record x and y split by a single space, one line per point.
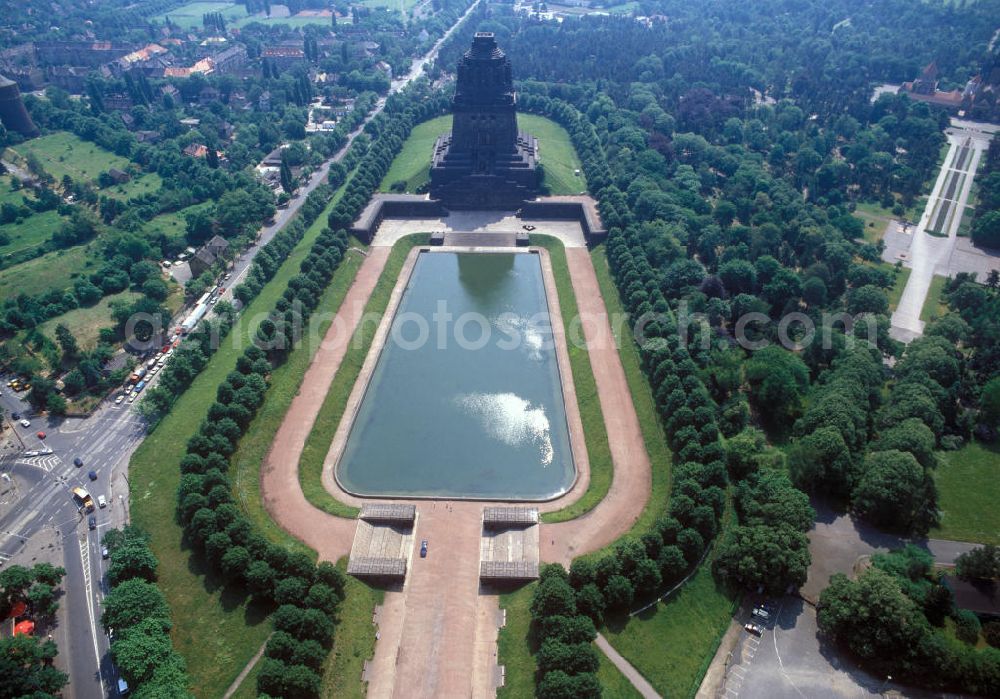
279 474
630 486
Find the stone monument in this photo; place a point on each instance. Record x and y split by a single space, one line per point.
484 162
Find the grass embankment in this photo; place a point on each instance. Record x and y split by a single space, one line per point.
594 433
354 641
560 162
933 305
896 292
968 493
672 643
216 629
320 437
516 644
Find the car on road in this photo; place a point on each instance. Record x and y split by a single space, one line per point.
753 628
92 522
132 397
40 435
78 462
25 423
104 552
101 502
119 399
16 416
423 548
92 475
33 452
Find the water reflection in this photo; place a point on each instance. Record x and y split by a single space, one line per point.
512 420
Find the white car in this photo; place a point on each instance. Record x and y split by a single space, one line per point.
25 423
101 502
119 399
132 396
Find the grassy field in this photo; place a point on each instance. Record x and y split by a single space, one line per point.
589 403
896 292
413 163
53 270
557 155
672 643
969 490
148 183
353 643
614 685
318 443
934 307
214 627
85 323
64 153
401 6
516 643
172 225
293 22
30 232
190 15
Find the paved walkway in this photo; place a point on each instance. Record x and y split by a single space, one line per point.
930 254
631 674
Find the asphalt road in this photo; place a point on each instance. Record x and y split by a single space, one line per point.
38 498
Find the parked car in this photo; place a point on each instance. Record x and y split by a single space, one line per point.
40 435
92 522
101 501
119 399
25 423
92 475
78 462
761 613
423 548
104 552
753 628
16 416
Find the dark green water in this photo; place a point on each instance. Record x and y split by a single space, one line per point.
479 417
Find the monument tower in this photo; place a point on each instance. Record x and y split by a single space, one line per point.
484 162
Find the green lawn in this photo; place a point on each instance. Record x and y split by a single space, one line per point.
933 305
174 224
28 233
969 490
557 155
147 183
413 163
217 630
318 443
614 685
594 433
516 643
53 270
401 6
292 22
353 642
896 292
190 16
64 153
672 643
85 323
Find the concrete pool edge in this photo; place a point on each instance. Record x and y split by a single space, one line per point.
571 409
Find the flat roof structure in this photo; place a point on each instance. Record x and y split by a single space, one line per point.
388 512
509 516
508 570
381 549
